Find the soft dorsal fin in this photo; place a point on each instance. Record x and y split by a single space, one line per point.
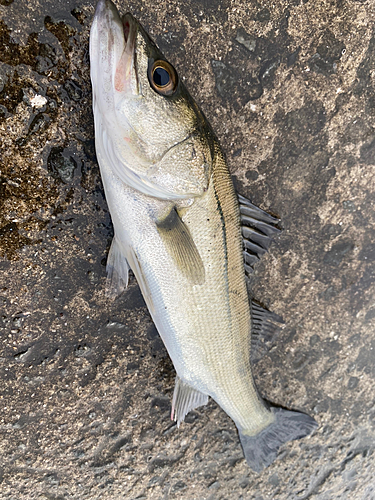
265 326
117 270
181 247
258 230
185 399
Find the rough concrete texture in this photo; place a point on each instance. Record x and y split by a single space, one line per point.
86 383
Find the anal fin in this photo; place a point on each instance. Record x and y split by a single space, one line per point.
185 399
117 271
258 230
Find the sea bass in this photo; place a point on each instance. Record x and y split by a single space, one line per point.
182 229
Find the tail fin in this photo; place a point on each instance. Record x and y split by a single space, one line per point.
261 450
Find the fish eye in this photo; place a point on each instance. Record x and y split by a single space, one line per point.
163 78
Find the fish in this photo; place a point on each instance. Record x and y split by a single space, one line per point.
184 232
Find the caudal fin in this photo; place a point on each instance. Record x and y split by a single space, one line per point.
261 450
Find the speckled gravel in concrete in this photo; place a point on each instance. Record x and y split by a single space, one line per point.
85 382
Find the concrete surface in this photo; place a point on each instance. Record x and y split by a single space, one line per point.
85 382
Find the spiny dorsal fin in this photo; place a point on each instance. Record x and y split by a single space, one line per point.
181 247
185 399
117 271
258 230
264 328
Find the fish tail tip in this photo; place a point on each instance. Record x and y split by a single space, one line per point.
261 450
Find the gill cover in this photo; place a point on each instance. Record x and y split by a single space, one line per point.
148 129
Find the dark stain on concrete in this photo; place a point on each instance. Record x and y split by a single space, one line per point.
328 53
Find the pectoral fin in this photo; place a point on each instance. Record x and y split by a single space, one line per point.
181 247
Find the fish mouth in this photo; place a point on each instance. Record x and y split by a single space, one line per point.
116 38
126 68
130 26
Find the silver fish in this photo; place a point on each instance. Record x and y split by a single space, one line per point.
183 231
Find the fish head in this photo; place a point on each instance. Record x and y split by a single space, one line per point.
148 128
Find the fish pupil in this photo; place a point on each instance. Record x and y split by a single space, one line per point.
161 77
